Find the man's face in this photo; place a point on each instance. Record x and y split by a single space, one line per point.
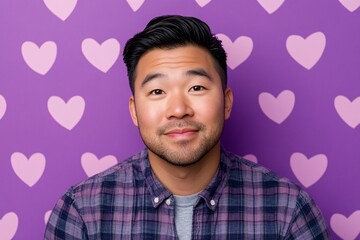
179 104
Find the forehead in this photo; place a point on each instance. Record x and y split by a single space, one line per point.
174 58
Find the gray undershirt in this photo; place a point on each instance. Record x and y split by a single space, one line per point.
184 206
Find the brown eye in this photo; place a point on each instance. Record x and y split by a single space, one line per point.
197 88
156 92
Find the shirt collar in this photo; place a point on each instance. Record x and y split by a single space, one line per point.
157 191
211 194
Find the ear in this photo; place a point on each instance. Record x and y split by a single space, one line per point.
132 110
228 98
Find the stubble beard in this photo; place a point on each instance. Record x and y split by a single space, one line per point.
183 153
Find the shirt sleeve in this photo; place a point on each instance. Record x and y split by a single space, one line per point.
65 221
308 222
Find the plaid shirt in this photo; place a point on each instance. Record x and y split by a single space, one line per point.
243 201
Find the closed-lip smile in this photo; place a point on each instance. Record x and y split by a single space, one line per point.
180 131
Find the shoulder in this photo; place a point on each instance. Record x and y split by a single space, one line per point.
249 173
114 180
84 204
294 207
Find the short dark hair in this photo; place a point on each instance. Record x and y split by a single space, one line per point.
171 31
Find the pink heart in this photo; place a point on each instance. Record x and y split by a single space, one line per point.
135 4
67 114
271 5
350 5
101 56
8 226
39 59
2 106
92 165
238 51
308 171
346 228
47 216
307 52
61 8
28 170
277 108
251 158
348 111
202 3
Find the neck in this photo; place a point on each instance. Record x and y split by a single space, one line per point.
186 180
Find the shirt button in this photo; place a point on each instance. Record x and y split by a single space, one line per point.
212 202
156 200
168 201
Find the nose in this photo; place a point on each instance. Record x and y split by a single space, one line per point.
179 106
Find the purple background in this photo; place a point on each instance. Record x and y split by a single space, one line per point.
313 127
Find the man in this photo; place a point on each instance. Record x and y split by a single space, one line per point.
184 184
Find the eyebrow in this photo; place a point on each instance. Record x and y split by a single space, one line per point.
150 77
198 72
192 72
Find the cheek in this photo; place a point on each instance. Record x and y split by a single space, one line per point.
210 109
149 115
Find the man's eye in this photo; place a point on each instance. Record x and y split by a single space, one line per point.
156 92
197 88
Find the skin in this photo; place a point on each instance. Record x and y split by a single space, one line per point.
179 107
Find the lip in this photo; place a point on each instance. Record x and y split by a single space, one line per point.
180 131
183 132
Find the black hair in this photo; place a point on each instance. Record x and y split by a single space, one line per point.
171 31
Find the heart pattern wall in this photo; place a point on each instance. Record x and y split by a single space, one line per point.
293 67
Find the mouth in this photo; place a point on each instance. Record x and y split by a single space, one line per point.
181 132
